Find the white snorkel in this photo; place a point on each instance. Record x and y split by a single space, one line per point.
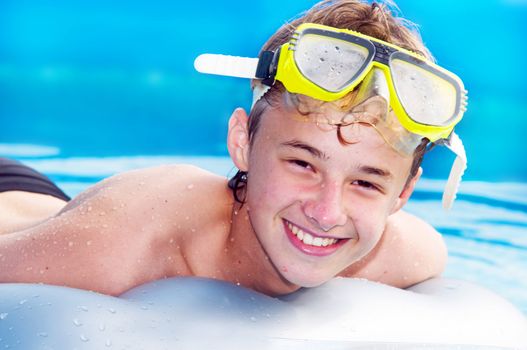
232 66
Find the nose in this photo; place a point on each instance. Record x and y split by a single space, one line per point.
326 209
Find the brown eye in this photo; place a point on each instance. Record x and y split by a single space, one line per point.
300 163
364 184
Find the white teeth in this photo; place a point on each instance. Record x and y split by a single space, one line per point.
306 238
318 242
300 235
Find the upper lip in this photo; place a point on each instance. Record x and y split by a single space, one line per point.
313 233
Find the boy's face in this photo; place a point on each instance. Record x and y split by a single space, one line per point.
317 206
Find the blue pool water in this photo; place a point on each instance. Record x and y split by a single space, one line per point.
88 90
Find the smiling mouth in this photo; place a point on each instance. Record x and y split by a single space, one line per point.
309 239
311 244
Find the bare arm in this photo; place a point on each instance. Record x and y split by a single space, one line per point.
410 251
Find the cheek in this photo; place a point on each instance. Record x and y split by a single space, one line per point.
270 187
370 222
267 188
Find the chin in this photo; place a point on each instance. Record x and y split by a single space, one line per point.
306 281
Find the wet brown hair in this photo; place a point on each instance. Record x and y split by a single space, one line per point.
376 19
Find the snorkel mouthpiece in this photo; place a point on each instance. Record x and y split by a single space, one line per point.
456 173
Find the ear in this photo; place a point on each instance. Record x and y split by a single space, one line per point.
407 192
238 139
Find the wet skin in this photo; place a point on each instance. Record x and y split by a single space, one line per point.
182 221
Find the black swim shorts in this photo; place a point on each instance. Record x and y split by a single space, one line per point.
15 176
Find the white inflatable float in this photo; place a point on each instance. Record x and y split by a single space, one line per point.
195 313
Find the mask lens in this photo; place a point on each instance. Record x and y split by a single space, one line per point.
427 97
330 63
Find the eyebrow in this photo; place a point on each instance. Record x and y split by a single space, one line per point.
370 170
304 146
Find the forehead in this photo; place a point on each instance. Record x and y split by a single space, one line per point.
280 126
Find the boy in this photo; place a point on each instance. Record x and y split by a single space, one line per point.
326 164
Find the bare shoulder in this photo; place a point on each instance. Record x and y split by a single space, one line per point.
154 188
423 249
154 179
161 204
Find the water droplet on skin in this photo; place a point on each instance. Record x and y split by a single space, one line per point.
84 338
76 322
88 243
189 187
83 308
90 208
43 334
108 343
253 319
102 327
3 315
113 311
22 302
